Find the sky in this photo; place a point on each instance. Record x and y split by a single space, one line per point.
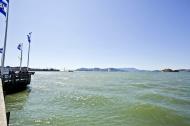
145 34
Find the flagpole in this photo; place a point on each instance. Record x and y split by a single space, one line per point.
21 57
5 41
29 51
28 57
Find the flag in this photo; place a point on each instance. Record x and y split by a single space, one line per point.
3 6
29 40
19 47
4 3
29 37
1 50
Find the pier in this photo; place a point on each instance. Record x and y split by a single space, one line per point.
3 119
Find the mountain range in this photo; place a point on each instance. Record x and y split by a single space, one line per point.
110 69
129 70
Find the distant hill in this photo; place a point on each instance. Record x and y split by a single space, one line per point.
129 70
38 69
184 70
110 69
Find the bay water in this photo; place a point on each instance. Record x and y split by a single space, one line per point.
102 99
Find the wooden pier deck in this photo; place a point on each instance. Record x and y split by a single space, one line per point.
3 119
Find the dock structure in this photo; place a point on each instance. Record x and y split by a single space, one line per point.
3 119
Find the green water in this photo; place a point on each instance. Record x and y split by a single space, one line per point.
103 99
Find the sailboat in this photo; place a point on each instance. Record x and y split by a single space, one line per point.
13 79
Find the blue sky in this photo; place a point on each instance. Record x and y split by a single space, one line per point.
146 34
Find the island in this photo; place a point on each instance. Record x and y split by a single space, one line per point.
110 69
169 70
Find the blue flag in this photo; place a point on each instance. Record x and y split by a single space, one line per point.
19 47
1 50
29 37
29 40
3 5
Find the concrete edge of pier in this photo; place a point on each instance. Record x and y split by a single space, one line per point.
3 118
